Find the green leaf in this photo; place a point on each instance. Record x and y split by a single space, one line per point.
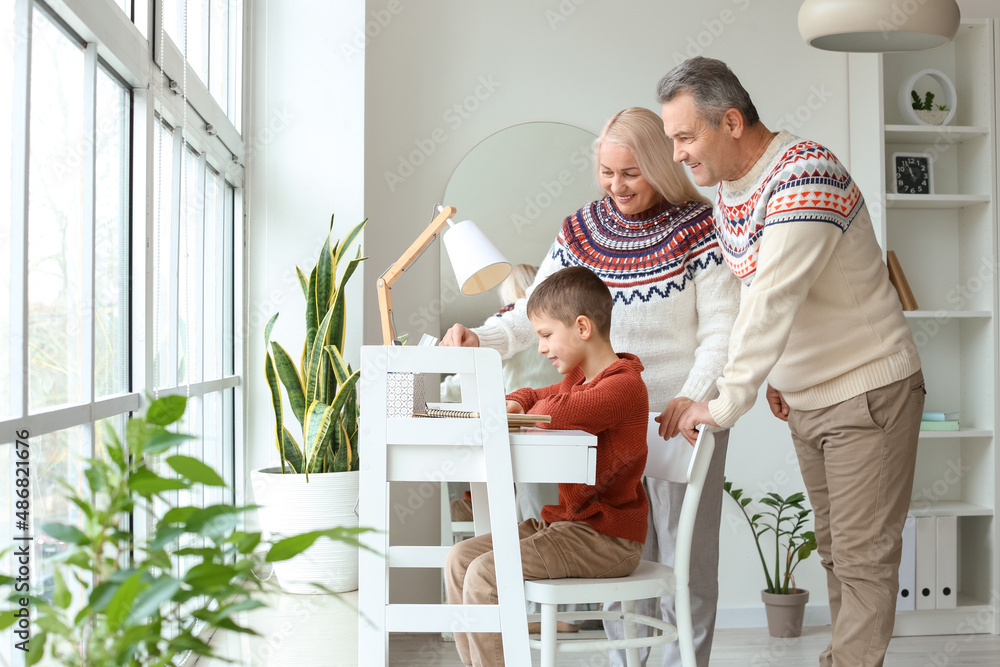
147 483
245 542
113 445
160 440
166 410
348 240
310 373
303 282
178 515
94 479
292 452
53 626
318 422
272 384
65 533
312 320
136 434
194 470
215 521
164 536
345 453
290 547
153 598
209 577
36 649
7 618
338 325
290 377
323 286
61 597
122 601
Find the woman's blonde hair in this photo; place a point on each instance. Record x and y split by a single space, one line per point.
517 283
641 131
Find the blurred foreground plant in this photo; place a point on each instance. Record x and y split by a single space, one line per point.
132 607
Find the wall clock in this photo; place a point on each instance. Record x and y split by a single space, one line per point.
913 173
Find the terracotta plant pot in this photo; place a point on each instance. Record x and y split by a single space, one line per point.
785 612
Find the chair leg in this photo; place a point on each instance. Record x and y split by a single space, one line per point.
631 654
548 635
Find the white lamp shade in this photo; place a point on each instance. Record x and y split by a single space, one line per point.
870 26
478 265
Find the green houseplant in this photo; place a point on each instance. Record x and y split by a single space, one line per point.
319 471
119 602
926 110
786 519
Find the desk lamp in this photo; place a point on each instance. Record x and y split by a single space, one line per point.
477 263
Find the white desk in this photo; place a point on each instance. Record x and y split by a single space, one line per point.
399 449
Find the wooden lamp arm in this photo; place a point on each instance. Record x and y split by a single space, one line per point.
393 273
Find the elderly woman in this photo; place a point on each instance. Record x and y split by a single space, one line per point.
653 242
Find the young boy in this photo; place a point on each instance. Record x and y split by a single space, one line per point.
595 531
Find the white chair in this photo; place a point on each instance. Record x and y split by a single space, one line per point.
674 460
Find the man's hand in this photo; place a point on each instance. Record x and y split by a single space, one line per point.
514 408
671 416
460 336
777 403
696 414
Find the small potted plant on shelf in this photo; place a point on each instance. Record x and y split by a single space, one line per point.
316 482
787 519
926 110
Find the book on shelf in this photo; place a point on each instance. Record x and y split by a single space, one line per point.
947 425
939 416
898 280
512 419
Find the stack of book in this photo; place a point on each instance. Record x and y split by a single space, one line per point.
939 421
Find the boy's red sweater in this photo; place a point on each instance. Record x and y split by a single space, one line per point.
614 407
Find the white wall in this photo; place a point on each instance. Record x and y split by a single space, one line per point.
572 61
575 62
307 136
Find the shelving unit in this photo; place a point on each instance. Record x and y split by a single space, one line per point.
946 243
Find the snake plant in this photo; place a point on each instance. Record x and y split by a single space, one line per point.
321 391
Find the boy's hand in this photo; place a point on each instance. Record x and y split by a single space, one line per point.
513 407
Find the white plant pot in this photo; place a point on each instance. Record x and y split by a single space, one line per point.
290 506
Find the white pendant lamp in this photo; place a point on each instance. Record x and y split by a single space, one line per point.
871 26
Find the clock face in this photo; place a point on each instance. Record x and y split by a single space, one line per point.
913 175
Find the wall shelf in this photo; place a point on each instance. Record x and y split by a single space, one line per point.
962 433
934 201
932 134
948 508
946 314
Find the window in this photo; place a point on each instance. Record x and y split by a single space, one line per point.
113 291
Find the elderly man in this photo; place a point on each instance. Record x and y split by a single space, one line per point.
821 323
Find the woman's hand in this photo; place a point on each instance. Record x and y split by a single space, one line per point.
514 408
777 403
460 336
670 417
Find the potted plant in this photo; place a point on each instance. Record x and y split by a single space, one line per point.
316 481
786 519
926 110
116 600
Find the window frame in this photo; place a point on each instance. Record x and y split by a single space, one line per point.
112 41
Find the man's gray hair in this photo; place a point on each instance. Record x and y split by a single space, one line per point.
713 86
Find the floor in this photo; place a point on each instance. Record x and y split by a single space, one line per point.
320 631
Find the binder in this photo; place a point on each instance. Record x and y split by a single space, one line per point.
926 565
906 598
947 562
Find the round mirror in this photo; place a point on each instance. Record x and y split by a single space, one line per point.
517 185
